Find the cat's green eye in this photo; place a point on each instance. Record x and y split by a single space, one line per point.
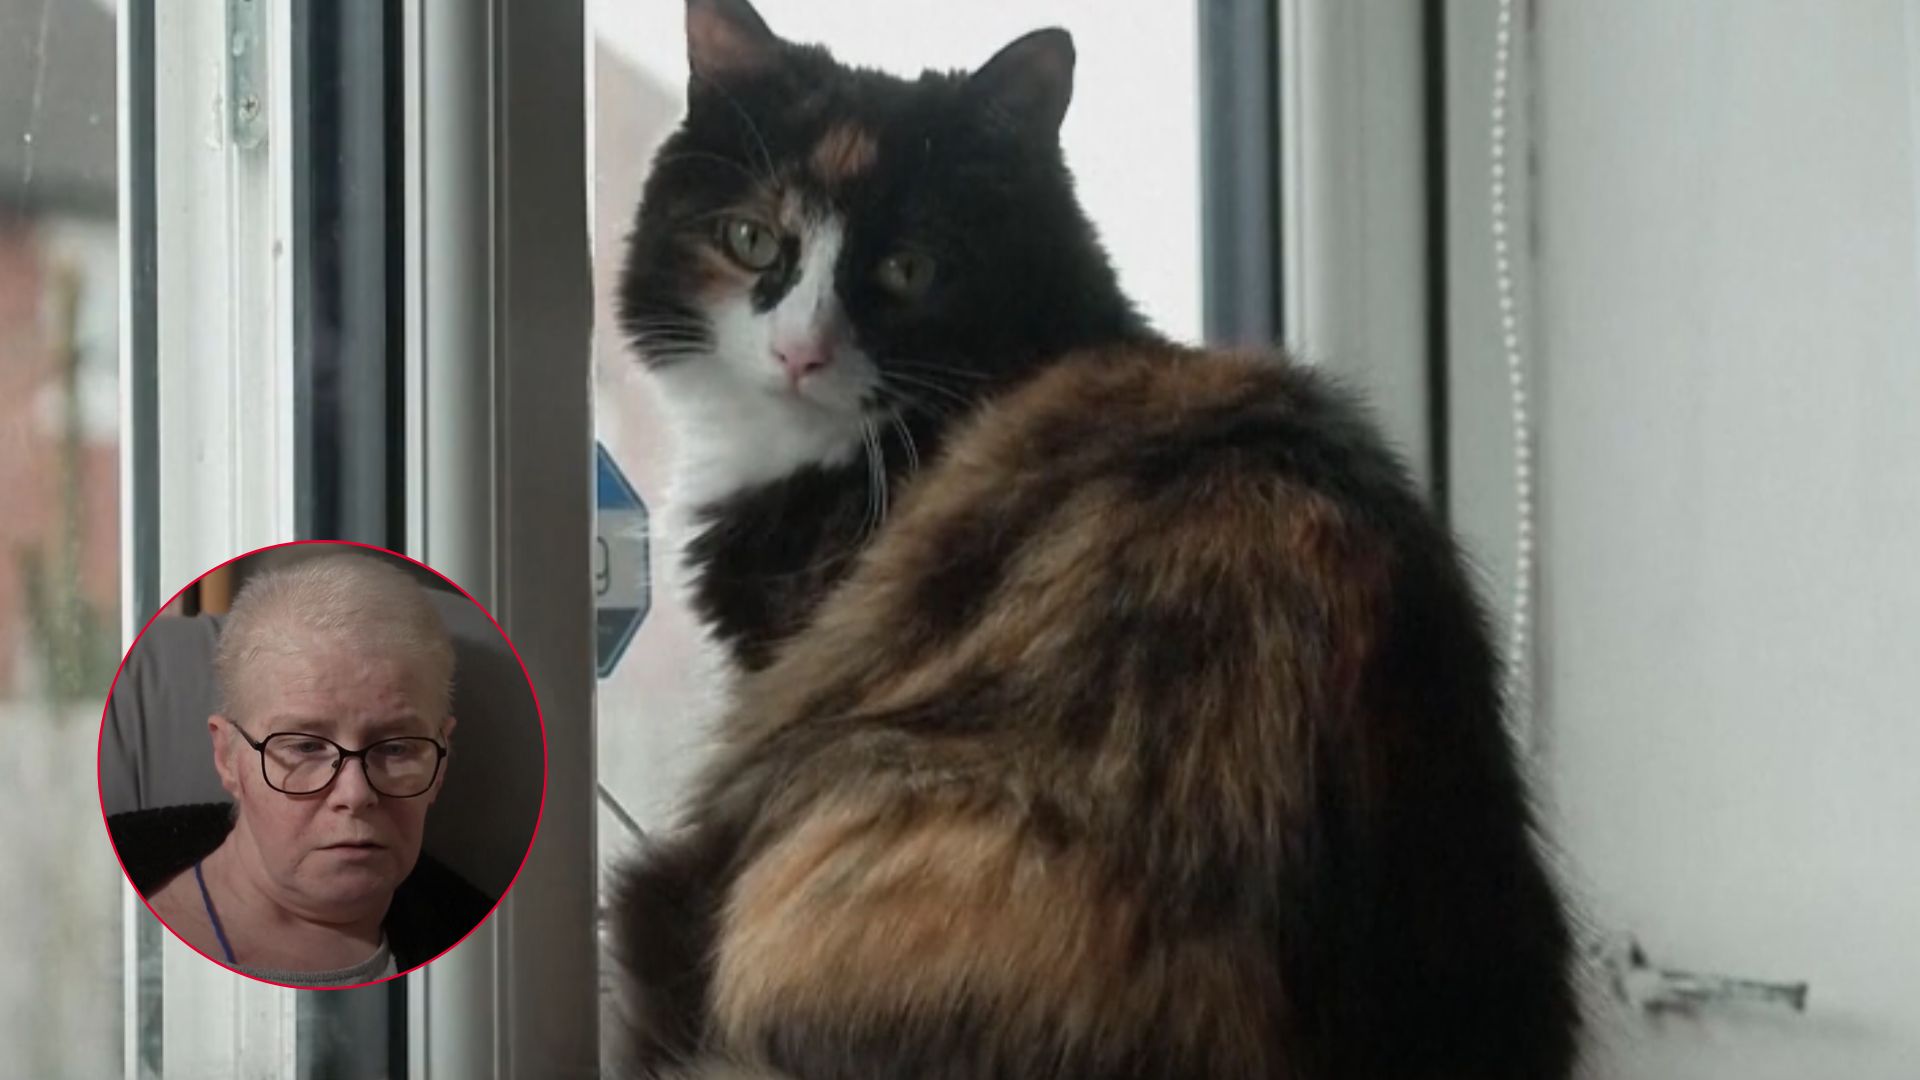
906 274
750 243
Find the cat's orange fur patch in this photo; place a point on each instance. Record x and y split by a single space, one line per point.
843 153
857 912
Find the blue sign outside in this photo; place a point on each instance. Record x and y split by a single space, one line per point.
622 583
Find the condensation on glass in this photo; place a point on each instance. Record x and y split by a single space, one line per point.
59 535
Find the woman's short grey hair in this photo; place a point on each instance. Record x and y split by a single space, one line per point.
349 600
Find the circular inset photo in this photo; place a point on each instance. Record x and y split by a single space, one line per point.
322 764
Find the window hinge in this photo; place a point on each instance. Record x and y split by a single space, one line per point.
247 71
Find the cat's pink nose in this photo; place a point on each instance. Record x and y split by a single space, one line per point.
803 359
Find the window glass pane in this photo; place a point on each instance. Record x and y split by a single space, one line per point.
347 403
1132 137
60 991
348 233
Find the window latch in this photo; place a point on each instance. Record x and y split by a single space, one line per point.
1653 989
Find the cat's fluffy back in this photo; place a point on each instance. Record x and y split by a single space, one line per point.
1168 639
1100 430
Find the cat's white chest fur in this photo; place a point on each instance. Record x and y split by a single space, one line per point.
730 436
738 420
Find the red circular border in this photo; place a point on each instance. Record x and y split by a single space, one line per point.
539 714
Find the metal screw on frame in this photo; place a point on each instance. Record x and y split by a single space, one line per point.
247 71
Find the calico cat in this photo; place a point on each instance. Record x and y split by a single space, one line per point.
1111 710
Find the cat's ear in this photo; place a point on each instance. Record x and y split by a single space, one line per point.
727 38
1030 81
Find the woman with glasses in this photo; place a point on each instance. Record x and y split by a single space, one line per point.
335 677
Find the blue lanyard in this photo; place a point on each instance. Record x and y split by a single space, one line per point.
213 915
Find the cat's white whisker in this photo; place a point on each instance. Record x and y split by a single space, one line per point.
906 438
667 322
921 383
876 480
939 412
704 155
880 479
930 367
760 141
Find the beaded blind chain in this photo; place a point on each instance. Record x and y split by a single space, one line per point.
1520 636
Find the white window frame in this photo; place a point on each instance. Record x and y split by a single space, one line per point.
499 449
221 338
1353 264
501 441
1480 406
1356 259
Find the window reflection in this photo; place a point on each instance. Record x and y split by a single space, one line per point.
59 534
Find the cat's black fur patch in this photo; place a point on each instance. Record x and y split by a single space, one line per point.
1021 276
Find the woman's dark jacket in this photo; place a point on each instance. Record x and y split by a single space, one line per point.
431 911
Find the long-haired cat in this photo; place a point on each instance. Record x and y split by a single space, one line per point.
1112 710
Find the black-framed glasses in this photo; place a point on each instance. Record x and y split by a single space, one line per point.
296 763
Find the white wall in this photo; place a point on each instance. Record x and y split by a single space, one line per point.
1728 334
